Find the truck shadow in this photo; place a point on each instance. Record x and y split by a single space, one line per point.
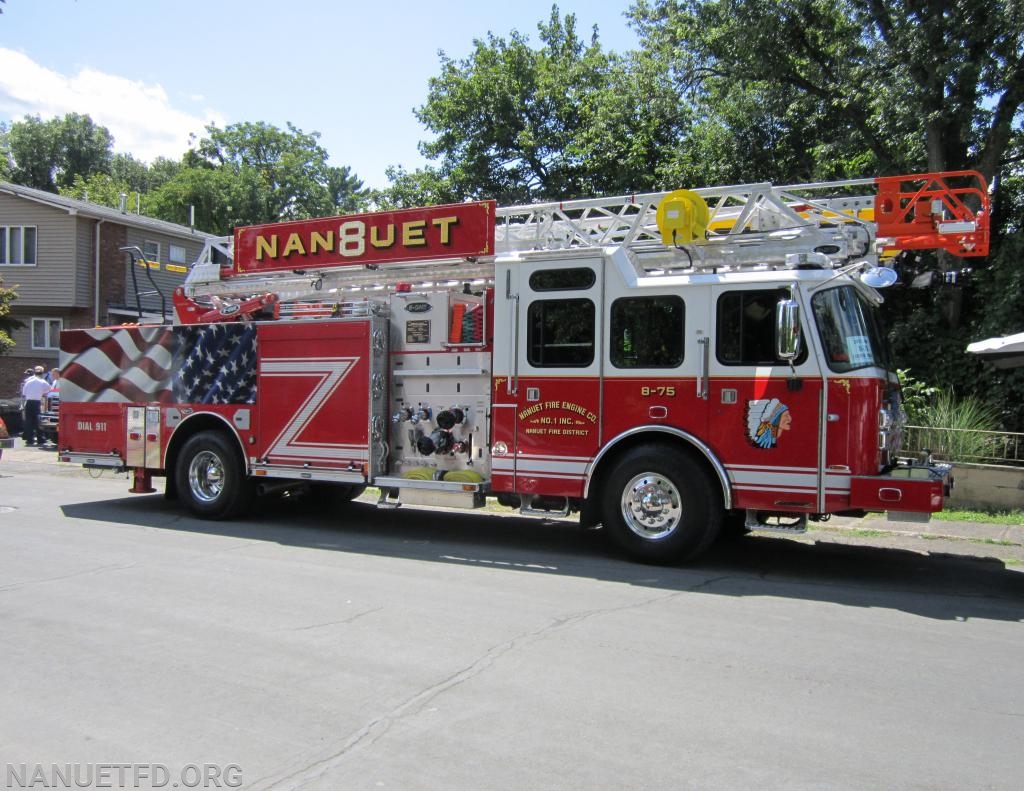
932 585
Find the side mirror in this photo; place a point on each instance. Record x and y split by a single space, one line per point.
879 277
787 330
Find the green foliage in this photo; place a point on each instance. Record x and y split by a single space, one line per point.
244 174
7 324
345 191
504 116
32 147
423 187
917 397
908 84
562 120
279 174
5 154
954 428
50 154
220 197
102 189
1012 518
83 148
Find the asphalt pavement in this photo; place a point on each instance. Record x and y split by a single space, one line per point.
306 647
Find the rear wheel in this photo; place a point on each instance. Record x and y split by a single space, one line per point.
661 506
210 477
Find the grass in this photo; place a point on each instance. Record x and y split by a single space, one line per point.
990 517
862 533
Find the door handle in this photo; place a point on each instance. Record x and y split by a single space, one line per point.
703 378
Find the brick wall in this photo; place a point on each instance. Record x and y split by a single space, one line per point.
112 267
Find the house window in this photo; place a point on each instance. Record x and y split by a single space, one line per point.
175 253
151 250
46 333
17 245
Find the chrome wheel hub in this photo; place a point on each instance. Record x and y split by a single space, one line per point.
206 476
651 506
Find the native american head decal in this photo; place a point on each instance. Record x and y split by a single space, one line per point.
767 419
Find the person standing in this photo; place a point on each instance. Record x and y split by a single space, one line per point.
32 393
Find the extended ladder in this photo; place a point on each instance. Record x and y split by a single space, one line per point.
823 224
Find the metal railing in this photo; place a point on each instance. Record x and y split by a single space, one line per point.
965 445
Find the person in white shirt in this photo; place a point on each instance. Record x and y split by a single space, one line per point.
32 392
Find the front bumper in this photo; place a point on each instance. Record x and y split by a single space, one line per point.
911 488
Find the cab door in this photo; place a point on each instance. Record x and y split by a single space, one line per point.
657 357
547 375
766 417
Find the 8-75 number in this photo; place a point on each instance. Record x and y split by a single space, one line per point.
661 390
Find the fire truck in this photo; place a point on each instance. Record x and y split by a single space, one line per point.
669 366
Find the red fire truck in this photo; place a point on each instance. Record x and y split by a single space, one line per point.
664 364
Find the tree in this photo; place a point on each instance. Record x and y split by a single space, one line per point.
102 189
221 198
5 154
422 187
50 154
345 190
508 117
33 147
633 131
7 325
83 148
279 174
126 169
248 174
916 84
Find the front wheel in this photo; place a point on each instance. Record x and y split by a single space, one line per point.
210 477
661 506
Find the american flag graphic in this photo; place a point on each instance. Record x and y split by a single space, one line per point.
209 364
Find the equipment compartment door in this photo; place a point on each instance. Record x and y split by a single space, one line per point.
765 421
315 394
547 398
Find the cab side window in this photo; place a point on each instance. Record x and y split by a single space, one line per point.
647 332
746 328
560 333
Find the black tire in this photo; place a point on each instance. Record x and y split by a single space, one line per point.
661 506
211 479
328 496
734 526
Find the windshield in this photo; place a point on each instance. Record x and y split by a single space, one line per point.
851 330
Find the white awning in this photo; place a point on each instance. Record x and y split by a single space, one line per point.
1007 352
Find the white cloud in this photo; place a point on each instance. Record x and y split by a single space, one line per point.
138 115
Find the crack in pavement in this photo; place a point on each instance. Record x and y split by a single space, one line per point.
16 585
350 619
377 728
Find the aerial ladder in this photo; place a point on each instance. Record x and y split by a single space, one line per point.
835 224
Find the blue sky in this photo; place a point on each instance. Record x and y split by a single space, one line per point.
152 71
